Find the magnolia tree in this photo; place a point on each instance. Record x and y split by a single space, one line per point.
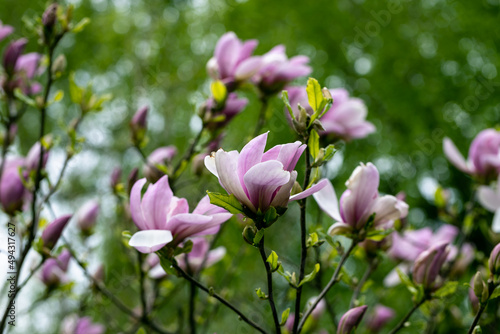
173 246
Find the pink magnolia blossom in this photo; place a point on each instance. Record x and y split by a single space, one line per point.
484 154
345 119
12 190
409 245
494 261
54 269
33 157
87 215
53 231
359 202
20 69
163 218
489 197
162 156
233 61
260 179
277 70
351 319
75 325
380 317
5 30
428 265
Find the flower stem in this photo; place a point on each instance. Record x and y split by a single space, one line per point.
216 296
269 285
303 240
407 316
330 284
477 317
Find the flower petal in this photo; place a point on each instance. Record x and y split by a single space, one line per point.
496 222
454 155
262 180
156 202
135 204
210 164
488 198
310 191
226 164
327 201
251 154
150 241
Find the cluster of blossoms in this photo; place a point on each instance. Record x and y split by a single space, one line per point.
483 163
259 185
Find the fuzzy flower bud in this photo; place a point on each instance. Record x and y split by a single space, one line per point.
53 231
11 55
87 216
494 261
428 265
49 16
351 319
138 125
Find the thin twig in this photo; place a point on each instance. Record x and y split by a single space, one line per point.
401 324
218 297
371 268
330 284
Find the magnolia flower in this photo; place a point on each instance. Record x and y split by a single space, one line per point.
75 325
260 179
359 202
54 269
5 30
138 124
199 253
163 218
494 261
20 69
233 61
277 70
351 319
53 231
87 215
409 245
345 119
380 317
162 156
484 154
489 198
33 157
428 265
12 190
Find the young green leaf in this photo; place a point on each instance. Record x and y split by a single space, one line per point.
286 101
261 294
228 202
284 316
314 94
310 276
219 91
447 289
272 259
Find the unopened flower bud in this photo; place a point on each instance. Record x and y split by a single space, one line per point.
53 231
11 55
380 317
11 190
351 319
138 125
49 16
494 261
428 265
87 216
59 65
474 301
160 157
33 157
479 285
132 178
116 175
249 233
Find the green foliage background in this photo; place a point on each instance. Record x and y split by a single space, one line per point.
426 70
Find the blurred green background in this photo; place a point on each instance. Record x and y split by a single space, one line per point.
426 69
